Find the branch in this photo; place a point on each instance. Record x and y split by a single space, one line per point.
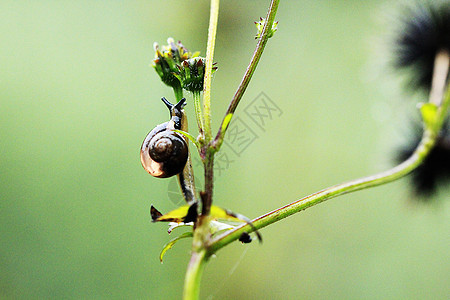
423 149
266 32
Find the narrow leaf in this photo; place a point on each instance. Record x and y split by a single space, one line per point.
170 244
189 136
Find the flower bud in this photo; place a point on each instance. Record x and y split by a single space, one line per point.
260 27
168 58
191 74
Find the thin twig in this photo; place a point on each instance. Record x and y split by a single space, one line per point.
270 18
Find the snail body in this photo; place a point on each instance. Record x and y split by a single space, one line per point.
164 152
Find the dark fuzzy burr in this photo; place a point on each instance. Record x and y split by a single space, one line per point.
424 31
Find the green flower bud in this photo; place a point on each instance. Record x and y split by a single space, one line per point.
168 58
191 74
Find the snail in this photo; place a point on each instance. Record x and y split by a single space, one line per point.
164 152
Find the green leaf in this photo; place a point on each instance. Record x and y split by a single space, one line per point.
226 122
170 244
189 136
429 114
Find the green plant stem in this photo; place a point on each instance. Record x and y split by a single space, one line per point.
423 149
205 153
202 231
178 91
194 275
198 112
213 19
209 183
270 18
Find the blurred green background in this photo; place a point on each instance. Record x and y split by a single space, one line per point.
77 98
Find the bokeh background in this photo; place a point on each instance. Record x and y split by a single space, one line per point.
77 97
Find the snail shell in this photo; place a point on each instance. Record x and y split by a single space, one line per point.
164 152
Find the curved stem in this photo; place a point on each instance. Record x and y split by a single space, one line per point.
214 16
194 275
419 155
249 72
